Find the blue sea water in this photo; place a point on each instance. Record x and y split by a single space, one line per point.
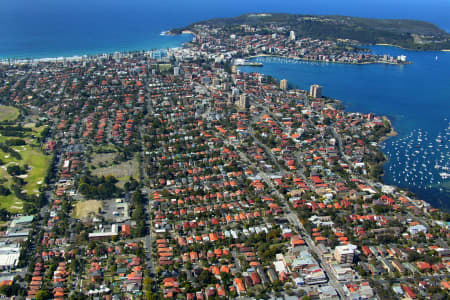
43 28
416 97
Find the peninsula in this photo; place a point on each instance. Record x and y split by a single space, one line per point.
240 42
408 34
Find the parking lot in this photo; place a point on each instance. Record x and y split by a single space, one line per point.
116 210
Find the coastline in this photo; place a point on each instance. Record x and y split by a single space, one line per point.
379 147
77 57
328 62
391 133
87 55
388 135
400 47
46 59
60 59
396 46
358 63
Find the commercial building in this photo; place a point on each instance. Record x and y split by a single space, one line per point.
22 221
104 234
342 272
315 91
243 102
413 230
316 276
283 84
345 254
9 257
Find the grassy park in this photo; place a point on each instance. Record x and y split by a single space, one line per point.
8 113
31 159
104 166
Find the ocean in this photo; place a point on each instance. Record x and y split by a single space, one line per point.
415 97
51 28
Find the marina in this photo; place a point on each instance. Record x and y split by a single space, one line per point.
419 161
244 62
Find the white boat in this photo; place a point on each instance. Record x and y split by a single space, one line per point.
444 175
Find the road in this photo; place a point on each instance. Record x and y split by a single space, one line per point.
292 216
147 239
294 221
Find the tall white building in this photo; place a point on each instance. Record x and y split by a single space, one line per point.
292 35
243 102
283 84
315 91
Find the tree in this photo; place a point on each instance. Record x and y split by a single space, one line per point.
131 185
4 191
150 296
9 290
148 282
14 170
99 188
84 188
205 277
43 295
